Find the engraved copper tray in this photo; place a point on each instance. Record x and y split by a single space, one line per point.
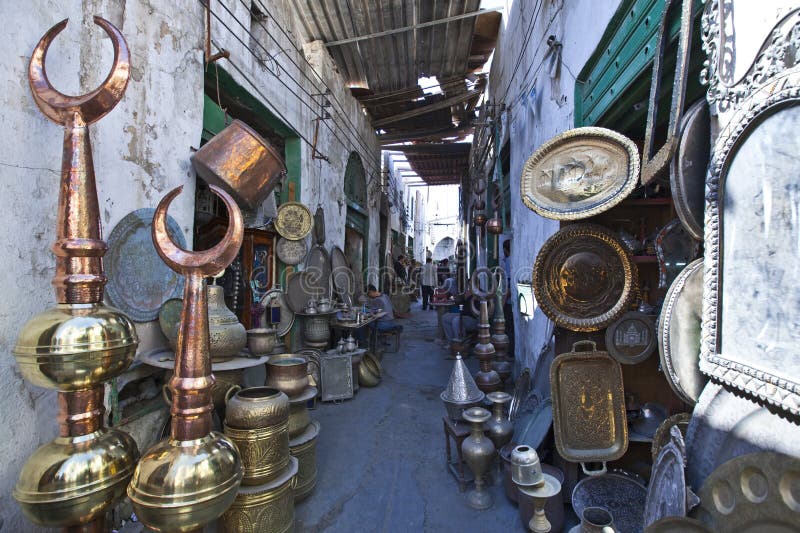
584 278
580 173
589 419
293 221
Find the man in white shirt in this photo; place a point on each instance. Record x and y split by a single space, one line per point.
428 282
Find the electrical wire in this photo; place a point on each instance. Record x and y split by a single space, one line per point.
335 136
528 34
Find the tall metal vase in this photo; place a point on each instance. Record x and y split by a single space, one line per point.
478 451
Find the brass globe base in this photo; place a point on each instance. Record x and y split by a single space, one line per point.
488 381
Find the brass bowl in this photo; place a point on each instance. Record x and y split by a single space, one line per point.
73 480
256 407
455 408
369 372
179 486
261 341
288 372
75 346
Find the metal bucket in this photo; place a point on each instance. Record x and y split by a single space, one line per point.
304 449
264 451
241 162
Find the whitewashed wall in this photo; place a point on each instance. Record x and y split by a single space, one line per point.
537 110
141 150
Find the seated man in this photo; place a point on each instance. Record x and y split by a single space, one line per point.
378 300
453 323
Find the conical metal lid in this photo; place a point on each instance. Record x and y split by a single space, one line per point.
461 387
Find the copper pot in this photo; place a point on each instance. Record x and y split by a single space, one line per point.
255 407
241 162
288 372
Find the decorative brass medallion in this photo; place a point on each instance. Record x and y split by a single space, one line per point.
580 173
583 277
291 252
293 221
752 492
632 338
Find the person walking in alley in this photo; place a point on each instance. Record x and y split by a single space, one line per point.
400 268
428 282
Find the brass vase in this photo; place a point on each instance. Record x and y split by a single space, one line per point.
73 348
317 330
478 452
304 448
255 408
499 428
487 379
595 520
191 478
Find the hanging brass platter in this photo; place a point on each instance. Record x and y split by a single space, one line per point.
583 277
689 167
632 338
291 252
753 492
580 173
294 221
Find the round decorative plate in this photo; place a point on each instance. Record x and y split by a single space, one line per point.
679 333
344 281
618 494
293 221
583 277
632 338
318 266
276 297
753 492
687 176
291 252
138 279
169 316
580 173
300 289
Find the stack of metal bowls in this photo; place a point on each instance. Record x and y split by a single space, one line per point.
257 421
289 373
461 392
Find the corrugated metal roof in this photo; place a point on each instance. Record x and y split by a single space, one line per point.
397 61
383 71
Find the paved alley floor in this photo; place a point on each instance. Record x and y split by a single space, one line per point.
381 455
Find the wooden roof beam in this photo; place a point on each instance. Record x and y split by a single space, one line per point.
444 104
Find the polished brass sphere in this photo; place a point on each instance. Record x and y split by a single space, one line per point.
179 486
479 219
75 346
74 480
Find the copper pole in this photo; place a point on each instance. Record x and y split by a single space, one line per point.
192 381
79 248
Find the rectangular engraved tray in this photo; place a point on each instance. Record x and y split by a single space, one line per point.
589 419
336 374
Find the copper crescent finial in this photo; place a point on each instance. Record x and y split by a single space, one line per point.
92 106
207 262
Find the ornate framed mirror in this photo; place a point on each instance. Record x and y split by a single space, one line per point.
751 295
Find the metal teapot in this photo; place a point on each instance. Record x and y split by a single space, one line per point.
311 307
350 344
324 305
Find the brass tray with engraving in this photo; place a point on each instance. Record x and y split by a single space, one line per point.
580 173
584 278
589 418
293 221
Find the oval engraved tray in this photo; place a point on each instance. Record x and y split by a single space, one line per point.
589 419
